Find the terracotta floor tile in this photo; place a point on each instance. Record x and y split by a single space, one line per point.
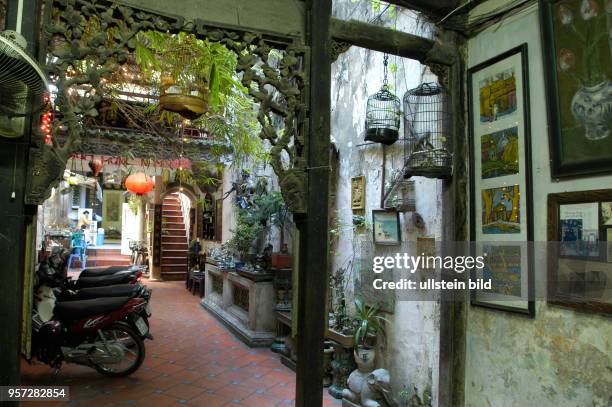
193 361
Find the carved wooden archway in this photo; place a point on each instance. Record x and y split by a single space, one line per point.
278 89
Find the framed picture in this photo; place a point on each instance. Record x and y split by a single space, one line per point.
578 68
386 227
501 224
580 250
358 193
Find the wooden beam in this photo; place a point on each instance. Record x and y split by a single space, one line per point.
387 40
313 253
435 9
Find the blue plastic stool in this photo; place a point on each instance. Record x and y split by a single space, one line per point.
78 251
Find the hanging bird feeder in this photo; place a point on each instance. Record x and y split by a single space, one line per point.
139 183
383 114
427 130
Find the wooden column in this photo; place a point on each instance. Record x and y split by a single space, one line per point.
312 285
16 216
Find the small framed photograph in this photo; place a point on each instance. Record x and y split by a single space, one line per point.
386 227
580 251
358 193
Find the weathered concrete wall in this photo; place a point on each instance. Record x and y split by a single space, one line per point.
560 358
411 349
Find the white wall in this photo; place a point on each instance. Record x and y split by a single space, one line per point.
411 350
562 358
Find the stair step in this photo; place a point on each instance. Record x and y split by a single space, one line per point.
171 207
173 225
103 252
174 275
172 218
174 267
166 252
174 239
173 232
169 245
174 260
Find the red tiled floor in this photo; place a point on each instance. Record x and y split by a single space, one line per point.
193 361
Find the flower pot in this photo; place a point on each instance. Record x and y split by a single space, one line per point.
282 260
592 108
364 357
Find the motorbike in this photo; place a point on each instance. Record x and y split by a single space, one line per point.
65 289
91 332
110 270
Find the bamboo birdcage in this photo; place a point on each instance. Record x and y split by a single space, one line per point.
383 114
427 126
187 92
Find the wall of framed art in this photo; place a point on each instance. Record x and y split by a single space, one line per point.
578 64
494 338
500 174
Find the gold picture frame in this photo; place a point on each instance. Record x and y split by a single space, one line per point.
358 193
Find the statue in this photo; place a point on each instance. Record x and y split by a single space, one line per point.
368 387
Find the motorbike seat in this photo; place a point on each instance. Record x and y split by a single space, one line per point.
118 278
118 290
110 270
71 310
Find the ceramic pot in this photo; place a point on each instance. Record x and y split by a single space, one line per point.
364 357
592 108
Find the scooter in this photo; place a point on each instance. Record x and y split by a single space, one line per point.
110 270
87 332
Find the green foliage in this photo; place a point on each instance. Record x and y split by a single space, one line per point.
245 233
209 68
267 209
369 322
184 176
189 62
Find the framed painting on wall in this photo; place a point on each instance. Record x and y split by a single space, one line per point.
501 223
579 250
578 67
358 193
386 227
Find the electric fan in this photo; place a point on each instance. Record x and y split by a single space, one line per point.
21 80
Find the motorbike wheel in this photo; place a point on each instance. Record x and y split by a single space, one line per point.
133 347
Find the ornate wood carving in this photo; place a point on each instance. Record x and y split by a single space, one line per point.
88 40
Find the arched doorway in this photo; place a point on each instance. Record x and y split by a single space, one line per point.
178 223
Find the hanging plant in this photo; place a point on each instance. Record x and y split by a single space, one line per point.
193 75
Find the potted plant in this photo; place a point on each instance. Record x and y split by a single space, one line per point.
368 323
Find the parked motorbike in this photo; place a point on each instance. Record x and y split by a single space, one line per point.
91 332
110 270
67 290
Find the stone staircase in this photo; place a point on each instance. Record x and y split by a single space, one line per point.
174 246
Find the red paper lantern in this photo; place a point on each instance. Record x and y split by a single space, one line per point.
139 183
96 166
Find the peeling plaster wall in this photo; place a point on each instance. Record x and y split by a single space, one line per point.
562 357
411 351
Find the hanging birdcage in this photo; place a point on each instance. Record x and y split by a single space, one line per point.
383 113
427 125
401 195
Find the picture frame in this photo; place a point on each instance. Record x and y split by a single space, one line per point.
386 227
581 279
501 207
578 73
358 193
